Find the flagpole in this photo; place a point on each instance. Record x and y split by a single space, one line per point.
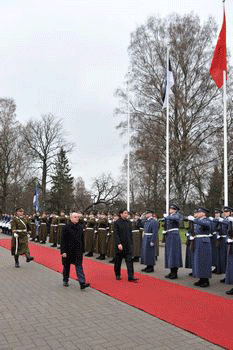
167 136
128 168
225 141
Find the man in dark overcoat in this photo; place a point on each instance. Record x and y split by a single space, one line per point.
123 245
72 249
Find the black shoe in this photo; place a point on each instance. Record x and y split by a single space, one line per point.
118 278
215 270
222 281
53 245
89 254
204 285
144 270
229 292
29 258
112 261
84 285
191 274
136 259
150 269
17 264
197 284
168 276
132 279
173 276
65 284
101 257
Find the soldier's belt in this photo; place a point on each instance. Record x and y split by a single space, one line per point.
172 229
148 234
222 236
43 223
53 225
62 223
199 236
21 230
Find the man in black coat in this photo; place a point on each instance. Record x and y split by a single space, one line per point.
123 245
72 249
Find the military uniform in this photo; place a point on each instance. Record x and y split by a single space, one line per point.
173 252
102 232
62 221
229 266
53 231
148 244
43 229
19 241
89 235
137 238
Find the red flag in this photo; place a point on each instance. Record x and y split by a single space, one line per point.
219 62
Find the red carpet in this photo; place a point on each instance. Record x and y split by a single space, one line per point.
201 313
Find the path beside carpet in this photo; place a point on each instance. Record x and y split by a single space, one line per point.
206 315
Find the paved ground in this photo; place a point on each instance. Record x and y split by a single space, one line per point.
37 312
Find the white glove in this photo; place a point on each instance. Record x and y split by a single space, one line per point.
191 218
165 215
220 219
211 219
230 218
28 235
229 240
192 238
16 235
152 244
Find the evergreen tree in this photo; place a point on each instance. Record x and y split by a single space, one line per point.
61 194
215 194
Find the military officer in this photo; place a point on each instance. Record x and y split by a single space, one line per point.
229 266
173 255
149 241
103 227
19 242
202 255
90 235
43 228
62 220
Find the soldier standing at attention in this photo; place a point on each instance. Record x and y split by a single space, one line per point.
149 241
202 255
19 242
173 255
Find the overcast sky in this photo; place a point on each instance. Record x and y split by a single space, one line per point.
67 57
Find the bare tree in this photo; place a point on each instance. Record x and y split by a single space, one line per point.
106 191
13 162
44 139
195 111
82 197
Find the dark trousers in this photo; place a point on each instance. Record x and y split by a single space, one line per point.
66 271
129 263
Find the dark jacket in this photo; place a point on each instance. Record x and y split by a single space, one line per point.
72 242
123 235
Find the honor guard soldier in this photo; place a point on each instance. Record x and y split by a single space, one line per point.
90 235
110 248
137 237
215 236
189 246
19 242
32 227
202 256
43 228
102 236
53 230
173 254
62 220
222 242
229 267
148 256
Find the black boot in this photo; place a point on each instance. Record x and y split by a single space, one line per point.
29 257
17 261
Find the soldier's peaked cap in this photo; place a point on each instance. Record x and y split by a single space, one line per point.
149 211
202 210
227 209
174 206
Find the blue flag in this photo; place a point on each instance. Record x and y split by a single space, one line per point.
36 203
